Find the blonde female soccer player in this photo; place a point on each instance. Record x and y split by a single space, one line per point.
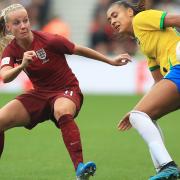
56 94
158 40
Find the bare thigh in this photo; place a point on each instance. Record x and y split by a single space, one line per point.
160 100
64 106
13 114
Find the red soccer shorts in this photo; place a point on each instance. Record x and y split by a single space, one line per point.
40 104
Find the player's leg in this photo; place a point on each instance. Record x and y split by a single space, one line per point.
162 99
157 166
11 115
2 138
64 112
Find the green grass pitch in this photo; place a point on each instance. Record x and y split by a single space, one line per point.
40 154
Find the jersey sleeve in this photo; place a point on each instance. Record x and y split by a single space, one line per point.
7 58
149 20
152 64
62 45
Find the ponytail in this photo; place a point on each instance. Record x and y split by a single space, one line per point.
2 27
4 39
141 5
136 7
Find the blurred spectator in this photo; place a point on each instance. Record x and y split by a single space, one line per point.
57 26
101 35
39 10
100 31
43 7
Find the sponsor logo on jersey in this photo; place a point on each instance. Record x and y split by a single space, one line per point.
41 54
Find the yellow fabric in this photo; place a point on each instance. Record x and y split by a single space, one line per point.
156 42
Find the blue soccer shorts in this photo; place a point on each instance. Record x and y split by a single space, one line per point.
174 76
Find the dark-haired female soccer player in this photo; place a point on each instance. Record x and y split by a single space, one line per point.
158 40
56 94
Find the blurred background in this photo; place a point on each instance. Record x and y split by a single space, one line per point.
110 92
84 22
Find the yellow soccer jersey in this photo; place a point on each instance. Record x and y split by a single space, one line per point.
156 42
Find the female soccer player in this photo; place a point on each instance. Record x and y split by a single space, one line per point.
56 94
158 41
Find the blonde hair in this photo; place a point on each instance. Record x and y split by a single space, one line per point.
4 38
4 17
10 8
4 41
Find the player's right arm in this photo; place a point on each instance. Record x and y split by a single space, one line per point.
8 73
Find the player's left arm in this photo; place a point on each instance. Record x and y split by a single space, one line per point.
157 76
120 60
171 20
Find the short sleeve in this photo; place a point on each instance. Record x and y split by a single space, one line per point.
152 64
60 44
6 59
149 20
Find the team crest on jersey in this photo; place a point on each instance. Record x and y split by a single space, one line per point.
41 54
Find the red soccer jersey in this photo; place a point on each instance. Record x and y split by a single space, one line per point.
49 71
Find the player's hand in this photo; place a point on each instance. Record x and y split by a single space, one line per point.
124 124
28 58
121 60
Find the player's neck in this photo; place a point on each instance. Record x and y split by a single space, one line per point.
130 31
26 43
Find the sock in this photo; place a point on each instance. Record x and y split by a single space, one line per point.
149 132
71 136
155 162
1 142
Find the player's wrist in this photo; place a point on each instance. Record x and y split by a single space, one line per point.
20 67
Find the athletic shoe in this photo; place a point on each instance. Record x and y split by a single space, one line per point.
84 171
168 173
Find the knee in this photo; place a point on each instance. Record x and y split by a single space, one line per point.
63 120
58 113
137 116
152 114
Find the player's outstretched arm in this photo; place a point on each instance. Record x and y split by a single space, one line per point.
120 60
172 20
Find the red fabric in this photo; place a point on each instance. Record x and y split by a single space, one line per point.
40 104
50 70
1 143
71 137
